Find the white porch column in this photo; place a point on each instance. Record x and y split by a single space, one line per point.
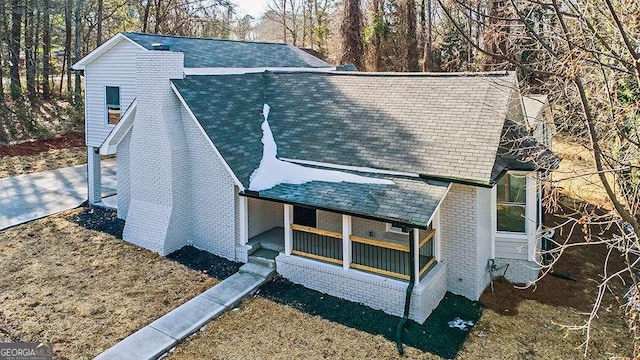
244 220
416 255
288 233
94 179
346 241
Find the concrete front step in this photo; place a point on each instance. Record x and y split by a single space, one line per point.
258 269
155 339
262 261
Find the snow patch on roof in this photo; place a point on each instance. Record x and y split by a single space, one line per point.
273 171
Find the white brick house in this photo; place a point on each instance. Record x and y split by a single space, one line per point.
184 117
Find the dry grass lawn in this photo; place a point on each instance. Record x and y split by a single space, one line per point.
48 160
264 329
83 290
576 172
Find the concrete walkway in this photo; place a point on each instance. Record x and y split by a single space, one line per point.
157 338
28 197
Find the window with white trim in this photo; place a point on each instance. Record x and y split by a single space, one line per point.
112 96
511 201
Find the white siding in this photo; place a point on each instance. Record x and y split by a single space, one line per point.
116 67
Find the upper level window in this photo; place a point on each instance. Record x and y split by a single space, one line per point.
511 203
112 94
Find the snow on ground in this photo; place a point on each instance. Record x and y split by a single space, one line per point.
273 171
461 324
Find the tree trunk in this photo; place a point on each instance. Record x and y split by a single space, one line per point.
352 47
14 49
29 51
145 16
78 28
46 49
377 38
284 20
411 56
99 20
428 42
67 45
3 37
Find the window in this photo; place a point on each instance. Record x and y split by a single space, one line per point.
511 203
304 216
112 94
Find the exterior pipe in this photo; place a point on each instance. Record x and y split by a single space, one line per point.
407 301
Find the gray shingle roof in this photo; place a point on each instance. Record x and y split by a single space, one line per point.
445 126
202 52
391 203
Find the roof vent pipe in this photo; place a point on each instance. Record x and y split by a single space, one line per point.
160 47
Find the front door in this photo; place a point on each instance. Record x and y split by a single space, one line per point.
304 216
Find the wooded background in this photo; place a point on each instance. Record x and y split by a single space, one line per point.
40 39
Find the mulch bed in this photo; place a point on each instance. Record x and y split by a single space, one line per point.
434 336
205 262
100 219
106 220
75 139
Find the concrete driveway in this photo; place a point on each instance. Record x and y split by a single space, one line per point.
27 197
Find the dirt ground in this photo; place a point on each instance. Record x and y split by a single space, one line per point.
41 155
575 175
83 290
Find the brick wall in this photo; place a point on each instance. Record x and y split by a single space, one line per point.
519 271
158 218
213 196
458 232
264 215
371 290
484 197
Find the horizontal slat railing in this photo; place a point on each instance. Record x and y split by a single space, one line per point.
426 246
380 257
317 244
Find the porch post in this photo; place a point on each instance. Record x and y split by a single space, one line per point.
416 254
288 233
244 220
94 180
346 241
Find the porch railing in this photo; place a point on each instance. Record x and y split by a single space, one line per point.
371 255
427 257
317 244
391 259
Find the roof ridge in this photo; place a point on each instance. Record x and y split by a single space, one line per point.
397 74
204 38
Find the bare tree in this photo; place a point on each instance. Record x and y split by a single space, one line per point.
411 54
46 49
351 30
586 55
14 49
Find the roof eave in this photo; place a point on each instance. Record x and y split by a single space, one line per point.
411 224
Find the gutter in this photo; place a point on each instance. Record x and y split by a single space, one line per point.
457 180
407 301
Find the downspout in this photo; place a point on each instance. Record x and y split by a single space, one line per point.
407 301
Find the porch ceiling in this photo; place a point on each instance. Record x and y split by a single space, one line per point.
410 201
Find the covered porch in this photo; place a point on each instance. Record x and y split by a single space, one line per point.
362 244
